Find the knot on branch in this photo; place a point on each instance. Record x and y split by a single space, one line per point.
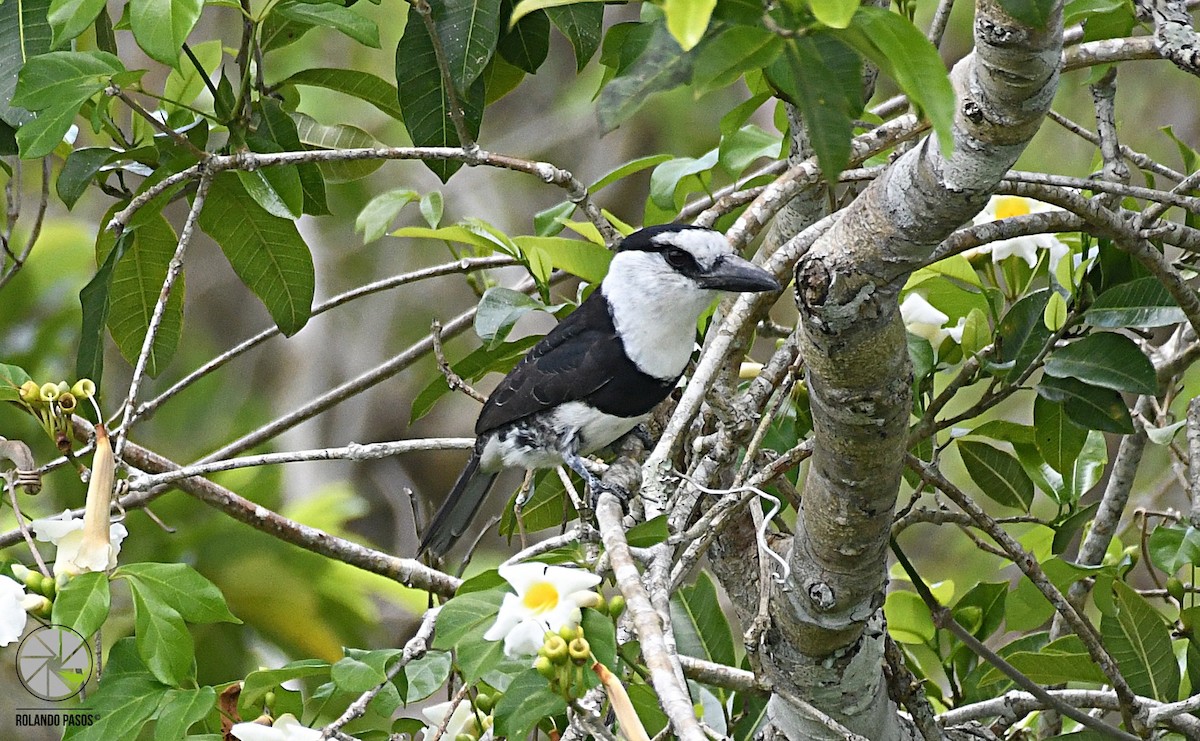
999 34
972 111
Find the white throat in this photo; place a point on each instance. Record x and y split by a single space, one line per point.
654 310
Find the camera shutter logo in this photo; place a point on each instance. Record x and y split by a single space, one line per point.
54 662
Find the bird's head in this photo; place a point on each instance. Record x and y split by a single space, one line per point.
689 262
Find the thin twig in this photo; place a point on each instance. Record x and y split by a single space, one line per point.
453 380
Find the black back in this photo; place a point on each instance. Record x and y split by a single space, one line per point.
581 359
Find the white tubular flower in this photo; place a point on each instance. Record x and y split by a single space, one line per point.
548 598
925 320
96 552
66 533
462 720
285 728
12 610
1026 248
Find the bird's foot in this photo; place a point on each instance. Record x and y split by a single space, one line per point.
596 487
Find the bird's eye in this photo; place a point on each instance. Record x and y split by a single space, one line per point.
677 258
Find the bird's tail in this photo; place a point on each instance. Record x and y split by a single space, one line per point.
456 513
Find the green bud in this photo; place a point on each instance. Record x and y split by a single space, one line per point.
63 388
601 606
49 587
33 581
19 571
555 649
545 667
616 606
1175 589
269 700
485 702
464 737
84 388
31 392
580 651
49 392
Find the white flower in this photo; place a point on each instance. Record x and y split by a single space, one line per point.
462 720
924 320
547 599
285 728
12 610
66 533
1026 247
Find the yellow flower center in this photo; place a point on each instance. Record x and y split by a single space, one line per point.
541 597
1008 206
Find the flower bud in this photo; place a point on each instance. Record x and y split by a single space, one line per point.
464 737
49 587
570 632
32 580
555 649
545 667
485 702
30 392
84 388
48 392
269 700
36 604
19 571
616 606
580 651
63 388
1175 589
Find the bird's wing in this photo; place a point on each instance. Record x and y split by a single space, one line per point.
551 374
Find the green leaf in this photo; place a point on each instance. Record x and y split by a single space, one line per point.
899 48
526 44
332 15
662 65
525 703
432 208
823 78
1022 333
1059 662
1138 638
316 135
259 683
377 216
977 334
1030 12
602 636
997 474
181 587
1091 406
160 27
469 30
93 298
266 252
57 84
163 640
1142 303
908 618
184 84
1105 359
122 706
581 22
740 148
275 131
584 259
466 615
24 34
547 506
69 18
648 533
137 282
1005 431
79 170
1173 547
701 629
424 98
12 377
1054 316
499 310
988 599
667 177
426 675
525 7
1089 466
362 85
180 710
40 136
834 13
275 189
1059 440
361 671
82 604
687 20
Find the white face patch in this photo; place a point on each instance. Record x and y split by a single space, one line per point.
654 310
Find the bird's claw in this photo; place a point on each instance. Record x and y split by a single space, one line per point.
598 487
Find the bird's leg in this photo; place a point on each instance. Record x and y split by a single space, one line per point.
640 432
595 485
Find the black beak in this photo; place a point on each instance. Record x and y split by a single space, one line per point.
736 275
